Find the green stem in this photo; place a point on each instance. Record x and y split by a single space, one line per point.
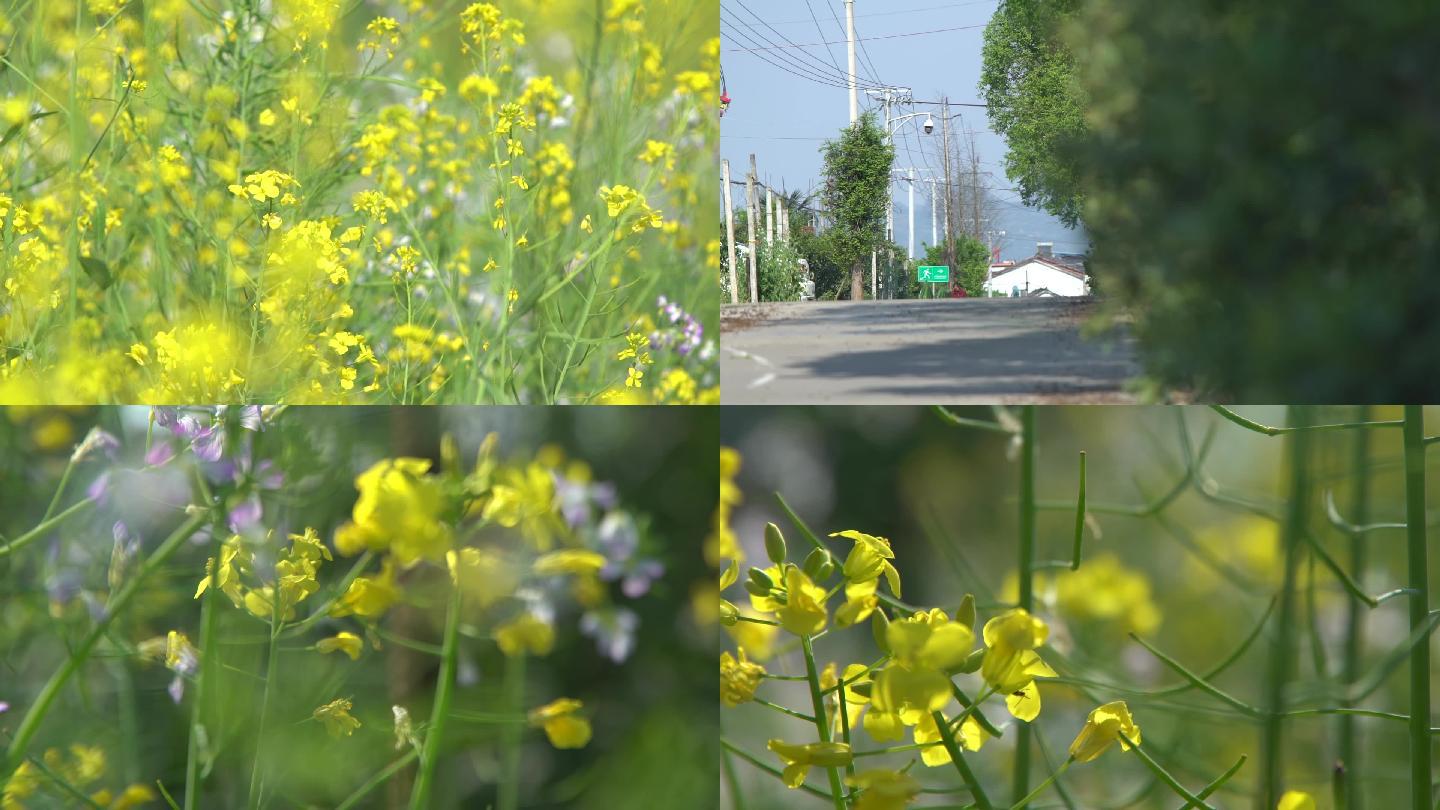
1281 657
1419 606
1164 775
272 655
378 780
60 488
1355 620
43 528
955 420
770 769
1079 517
515 696
1294 428
1026 567
1043 785
957 757
30 724
732 782
837 793
440 712
208 650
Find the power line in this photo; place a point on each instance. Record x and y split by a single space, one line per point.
782 60
788 63
800 72
727 136
821 32
870 39
875 77
823 68
902 11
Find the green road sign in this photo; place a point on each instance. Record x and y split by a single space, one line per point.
936 274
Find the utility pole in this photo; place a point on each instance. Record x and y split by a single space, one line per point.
949 209
754 204
850 38
769 218
910 237
934 206
730 231
977 194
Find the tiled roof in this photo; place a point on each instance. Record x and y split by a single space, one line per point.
1063 263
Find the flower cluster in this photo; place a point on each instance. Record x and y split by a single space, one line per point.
933 680
236 219
686 372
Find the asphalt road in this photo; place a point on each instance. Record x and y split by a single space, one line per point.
960 351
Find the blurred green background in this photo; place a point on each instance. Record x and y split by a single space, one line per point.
1194 579
654 717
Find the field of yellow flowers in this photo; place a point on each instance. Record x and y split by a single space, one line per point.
349 201
1076 607
284 607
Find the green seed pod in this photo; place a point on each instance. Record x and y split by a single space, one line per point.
879 626
818 564
774 543
965 614
756 589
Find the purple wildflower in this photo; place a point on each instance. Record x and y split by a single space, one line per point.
613 630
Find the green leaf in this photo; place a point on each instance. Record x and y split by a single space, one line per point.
97 270
15 130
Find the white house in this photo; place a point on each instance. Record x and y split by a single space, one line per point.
1047 273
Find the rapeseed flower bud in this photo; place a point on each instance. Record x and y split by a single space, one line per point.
774 543
1102 729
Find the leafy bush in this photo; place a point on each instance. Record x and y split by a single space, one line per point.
1261 187
778 272
973 260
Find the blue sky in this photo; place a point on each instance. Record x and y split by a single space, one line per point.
783 117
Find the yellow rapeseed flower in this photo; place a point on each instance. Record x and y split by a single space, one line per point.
563 724
369 597
799 759
336 717
345 642
738 678
804 612
399 510
525 634
1293 800
569 561
884 789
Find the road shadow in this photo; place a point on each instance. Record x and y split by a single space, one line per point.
1025 363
